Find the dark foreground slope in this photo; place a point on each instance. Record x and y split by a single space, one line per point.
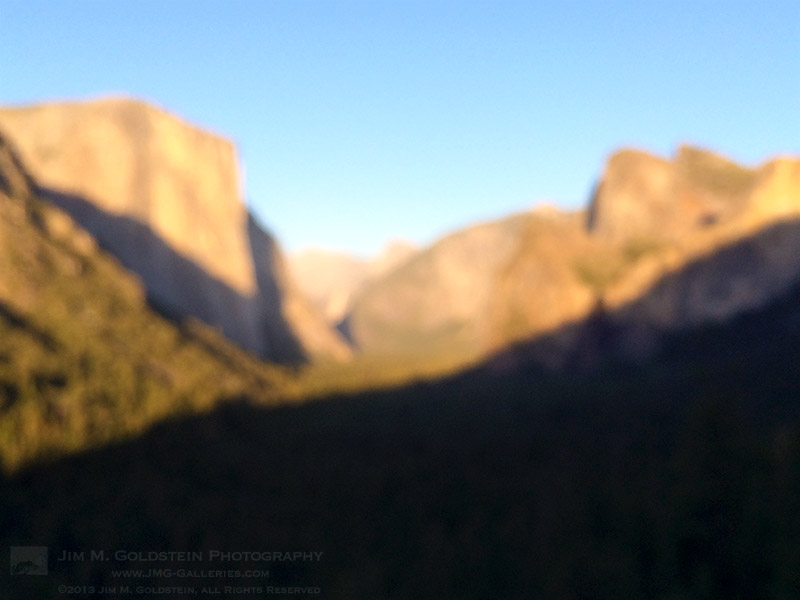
678 479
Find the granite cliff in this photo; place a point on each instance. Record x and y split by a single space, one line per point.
165 198
331 279
710 204
667 246
436 301
84 359
664 245
640 195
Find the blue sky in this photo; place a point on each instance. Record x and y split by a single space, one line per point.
361 121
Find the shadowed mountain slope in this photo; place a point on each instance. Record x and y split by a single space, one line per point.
713 288
164 197
83 358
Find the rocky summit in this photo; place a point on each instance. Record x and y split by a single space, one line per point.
641 195
165 198
667 245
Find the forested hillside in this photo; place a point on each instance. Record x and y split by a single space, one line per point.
83 358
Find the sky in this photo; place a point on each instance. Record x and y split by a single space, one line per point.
361 121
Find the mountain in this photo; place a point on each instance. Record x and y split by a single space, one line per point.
644 196
478 289
677 476
84 359
330 279
435 301
646 257
735 250
390 256
165 198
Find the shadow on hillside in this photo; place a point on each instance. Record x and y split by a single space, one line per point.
177 286
745 275
676 477
19 321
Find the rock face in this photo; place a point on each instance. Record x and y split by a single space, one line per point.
288 319
330 279
14 180
164 197
665 245
391 255
669 245
437 300
542 287
742 262
84 359
642 196
744 203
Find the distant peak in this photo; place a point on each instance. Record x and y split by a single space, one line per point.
113 98
113 103
702 158
546 208
633 158
398 245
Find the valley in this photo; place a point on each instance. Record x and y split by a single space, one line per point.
561 404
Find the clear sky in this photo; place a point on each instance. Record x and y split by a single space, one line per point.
360 121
